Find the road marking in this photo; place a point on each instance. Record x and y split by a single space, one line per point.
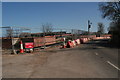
96 53
97 41
113 65
100 47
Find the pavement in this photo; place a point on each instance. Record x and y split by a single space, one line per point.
91 60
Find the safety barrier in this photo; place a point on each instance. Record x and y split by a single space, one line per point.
97 38
77 41
69 44
83 40
74 44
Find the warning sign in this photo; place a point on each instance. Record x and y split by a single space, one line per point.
29 45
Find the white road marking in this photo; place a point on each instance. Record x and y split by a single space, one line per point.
113 65
96 53
97 41
100 47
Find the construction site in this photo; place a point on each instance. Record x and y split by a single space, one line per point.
59 53
65 40
21 38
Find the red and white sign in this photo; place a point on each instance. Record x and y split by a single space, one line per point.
29 45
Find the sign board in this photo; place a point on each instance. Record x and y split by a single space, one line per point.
29 45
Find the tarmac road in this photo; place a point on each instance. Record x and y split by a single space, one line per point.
91 60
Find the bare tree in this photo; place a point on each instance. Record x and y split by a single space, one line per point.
47 28
9 32
100 28
111 27
110 10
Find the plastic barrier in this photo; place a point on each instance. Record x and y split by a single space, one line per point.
64 45
86 39
81 40
74 44
77 41
69 44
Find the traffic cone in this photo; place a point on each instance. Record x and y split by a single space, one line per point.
21 47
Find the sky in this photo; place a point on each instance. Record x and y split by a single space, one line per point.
62 15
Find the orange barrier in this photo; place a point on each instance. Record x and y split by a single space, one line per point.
77 41
96 38
74 44
64 45
70 44
88 39
83 40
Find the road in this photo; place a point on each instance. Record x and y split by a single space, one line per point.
94 59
